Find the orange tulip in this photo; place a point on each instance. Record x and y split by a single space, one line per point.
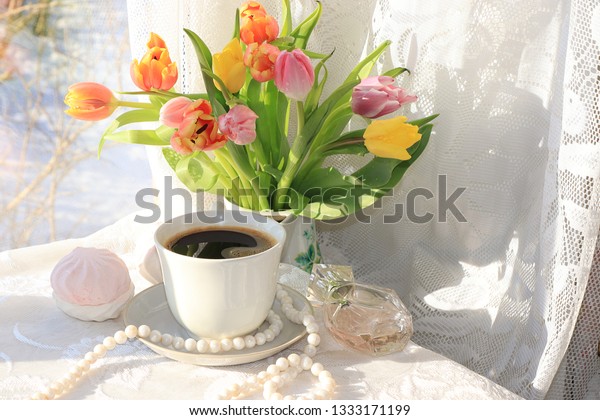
155 70
251 9
90 101
259 28
261 61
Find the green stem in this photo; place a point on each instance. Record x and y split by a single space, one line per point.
145 105
296 156
300 115
224 158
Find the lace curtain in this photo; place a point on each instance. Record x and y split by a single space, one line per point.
513 292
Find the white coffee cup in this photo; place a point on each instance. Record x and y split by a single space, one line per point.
217 298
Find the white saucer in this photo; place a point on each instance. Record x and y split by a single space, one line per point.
150 307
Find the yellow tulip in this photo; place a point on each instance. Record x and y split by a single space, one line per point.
390 138
229 66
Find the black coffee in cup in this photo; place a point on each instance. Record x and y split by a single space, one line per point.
221 242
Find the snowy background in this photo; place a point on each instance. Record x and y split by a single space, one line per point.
52 185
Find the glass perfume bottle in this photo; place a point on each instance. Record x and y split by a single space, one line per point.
366 318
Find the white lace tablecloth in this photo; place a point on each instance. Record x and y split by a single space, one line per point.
38 344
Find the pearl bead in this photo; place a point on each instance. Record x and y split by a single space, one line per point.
282 363
276 396
260 339
131 331
166 339
178 343
250 341
308 319
226 344
252 380
155 336
90 357
38 396
120 337
277 380
234 389
65 382
74 373
144 331
262 376
321 394
310 350
324 374
239 343
327 384
57 387
306 363
214 346
83 365
269 335
109 343
189 344
294 359
312 328
202 346
272 370
100 350
286 299
314 339
269 387
48 393
316 369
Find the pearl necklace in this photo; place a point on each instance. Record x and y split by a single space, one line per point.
283 371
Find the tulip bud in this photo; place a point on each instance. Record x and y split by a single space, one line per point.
261 61
390 138
171 113
155 70
376 96
239 124
229 66
259 28
90 101
294 74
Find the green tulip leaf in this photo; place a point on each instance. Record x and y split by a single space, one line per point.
129 117
205 60
302 32
286 12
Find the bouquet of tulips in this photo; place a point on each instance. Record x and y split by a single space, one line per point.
233 139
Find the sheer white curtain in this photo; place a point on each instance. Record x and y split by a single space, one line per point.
513 292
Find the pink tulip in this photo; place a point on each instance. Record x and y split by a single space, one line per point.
172 113
375 96
238 125
294 74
